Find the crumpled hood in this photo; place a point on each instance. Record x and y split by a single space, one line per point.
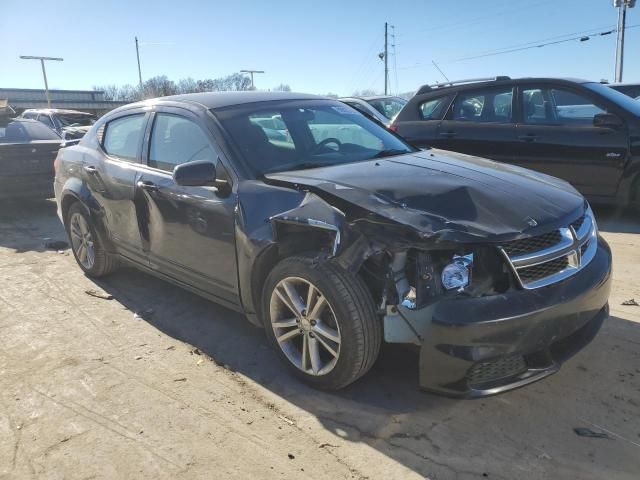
449 194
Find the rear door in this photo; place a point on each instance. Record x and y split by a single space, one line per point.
111 172
480 123
556 136
188 232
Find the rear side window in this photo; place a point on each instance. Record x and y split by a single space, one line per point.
484 106
176 140
123 135
432 109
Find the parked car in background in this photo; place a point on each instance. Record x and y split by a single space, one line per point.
583 132
339 235
27 152
382 108
629 89
70 124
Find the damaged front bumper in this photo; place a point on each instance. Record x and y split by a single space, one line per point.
473 347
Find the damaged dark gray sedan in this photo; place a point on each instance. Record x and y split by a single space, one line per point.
335 235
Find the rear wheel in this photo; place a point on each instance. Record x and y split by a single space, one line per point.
86 245
322 321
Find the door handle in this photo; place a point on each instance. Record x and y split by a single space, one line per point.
530 137
91 170
147 185
448 134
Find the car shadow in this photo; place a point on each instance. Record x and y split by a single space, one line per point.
617 219
31 225
434 436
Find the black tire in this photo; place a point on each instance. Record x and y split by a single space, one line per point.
354 311
103 263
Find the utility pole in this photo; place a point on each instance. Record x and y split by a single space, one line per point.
139 70
44 72
251 72
386 58
622 6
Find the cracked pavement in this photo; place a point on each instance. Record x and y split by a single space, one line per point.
188 389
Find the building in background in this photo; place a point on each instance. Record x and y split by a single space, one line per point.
90 101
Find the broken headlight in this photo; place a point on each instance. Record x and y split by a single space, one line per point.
457 274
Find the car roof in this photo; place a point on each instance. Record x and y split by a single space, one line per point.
227 99
368 97
57 110
499 81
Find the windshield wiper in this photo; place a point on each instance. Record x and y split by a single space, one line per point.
390 153
298 166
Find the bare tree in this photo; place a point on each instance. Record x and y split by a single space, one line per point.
283 87
159 86
367 92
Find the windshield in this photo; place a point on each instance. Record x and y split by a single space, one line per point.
292 135
616 97
75 120
389 107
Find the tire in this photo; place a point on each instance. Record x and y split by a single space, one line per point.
96 264
347 310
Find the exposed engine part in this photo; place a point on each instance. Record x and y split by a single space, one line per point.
398 270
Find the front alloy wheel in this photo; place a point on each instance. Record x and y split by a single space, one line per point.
305 326
322 321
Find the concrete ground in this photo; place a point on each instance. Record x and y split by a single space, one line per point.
158 383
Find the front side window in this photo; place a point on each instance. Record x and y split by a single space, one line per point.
557 107
123 135
176 140
305 134
484 106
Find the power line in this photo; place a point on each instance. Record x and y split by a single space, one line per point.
452 26
530 46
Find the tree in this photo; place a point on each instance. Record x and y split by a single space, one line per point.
283 87
367 92
159 86
332 95
124 93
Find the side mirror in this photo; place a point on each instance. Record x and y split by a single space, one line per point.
201 173
607 120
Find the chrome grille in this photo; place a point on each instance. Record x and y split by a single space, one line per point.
542 270
532 244
549 258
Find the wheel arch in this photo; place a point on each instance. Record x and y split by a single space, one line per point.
75 191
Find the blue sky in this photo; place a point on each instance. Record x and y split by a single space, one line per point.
315 46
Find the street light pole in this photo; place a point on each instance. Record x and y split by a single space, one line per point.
44 72
622 6
139 70
251 72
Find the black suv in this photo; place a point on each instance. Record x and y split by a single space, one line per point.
334 234
584 132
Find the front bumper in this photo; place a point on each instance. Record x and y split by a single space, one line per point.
475 347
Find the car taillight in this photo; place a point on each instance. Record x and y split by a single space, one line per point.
55 164
393 128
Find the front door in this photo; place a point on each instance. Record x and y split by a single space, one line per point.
188 232
557 136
